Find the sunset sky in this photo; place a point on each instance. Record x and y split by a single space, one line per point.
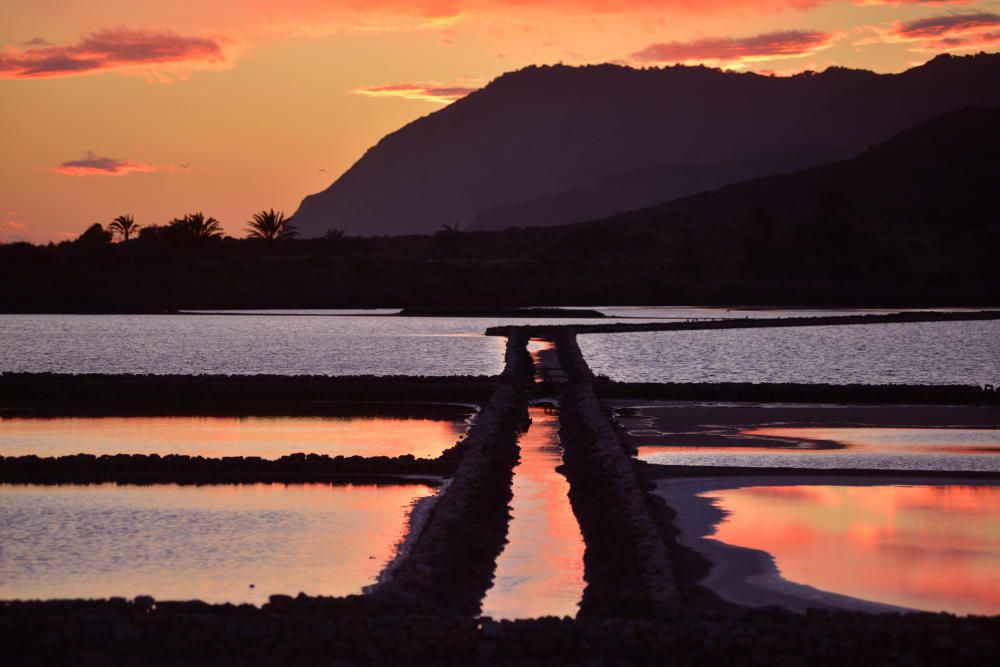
161 108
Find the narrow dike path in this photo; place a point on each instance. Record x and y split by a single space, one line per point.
625 560
628 567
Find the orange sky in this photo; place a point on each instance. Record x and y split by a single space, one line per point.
165 107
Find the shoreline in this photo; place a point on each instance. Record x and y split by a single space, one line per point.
749 577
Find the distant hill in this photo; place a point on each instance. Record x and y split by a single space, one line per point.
551 145
913 220
921 207
944 172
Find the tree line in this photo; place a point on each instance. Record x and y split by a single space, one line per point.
270 226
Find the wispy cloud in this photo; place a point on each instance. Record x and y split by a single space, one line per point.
939 26
95 165
424 91
160 55
947 32
730 50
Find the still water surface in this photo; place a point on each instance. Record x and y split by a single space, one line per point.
540 571
951 449
322 342
267 437
942 449
917 353
247 345
935 548
198 542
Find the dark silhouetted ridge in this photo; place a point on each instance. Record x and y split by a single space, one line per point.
556 144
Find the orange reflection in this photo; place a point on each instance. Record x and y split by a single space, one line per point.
267 437
545 360
540 572
924 547
884 440
205 542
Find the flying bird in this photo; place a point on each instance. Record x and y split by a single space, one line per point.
321 171
185 165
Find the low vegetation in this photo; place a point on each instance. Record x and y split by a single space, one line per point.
826 254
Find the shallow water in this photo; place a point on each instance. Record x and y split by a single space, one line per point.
944 449
917 353
267 437
317 342
272 342
935 548
198 542
540 571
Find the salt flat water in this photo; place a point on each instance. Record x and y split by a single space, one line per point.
247 345
255 342
266 437
218 543
917 353
352 342
540 571
942 449
934 548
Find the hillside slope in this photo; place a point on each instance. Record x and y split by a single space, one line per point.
542 131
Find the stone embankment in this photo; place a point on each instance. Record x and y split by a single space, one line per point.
761 322
798 393
183 469
55 394
571 358
519 369
627 566
451 563
313 631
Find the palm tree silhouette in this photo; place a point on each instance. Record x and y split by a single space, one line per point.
124 226
450 238
270 226
197 226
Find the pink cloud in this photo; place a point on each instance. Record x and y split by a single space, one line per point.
783 44
94 165
14 224
939 26
426 91
949 32
119 49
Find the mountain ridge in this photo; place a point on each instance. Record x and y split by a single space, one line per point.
546 130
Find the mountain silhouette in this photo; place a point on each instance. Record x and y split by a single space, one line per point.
943 172
557 144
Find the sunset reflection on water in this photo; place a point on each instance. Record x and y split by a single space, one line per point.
888 440
935 548
217 543
267 437
540 571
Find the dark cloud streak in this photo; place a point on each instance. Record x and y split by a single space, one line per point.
106 50
95 165
428 92
729 49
